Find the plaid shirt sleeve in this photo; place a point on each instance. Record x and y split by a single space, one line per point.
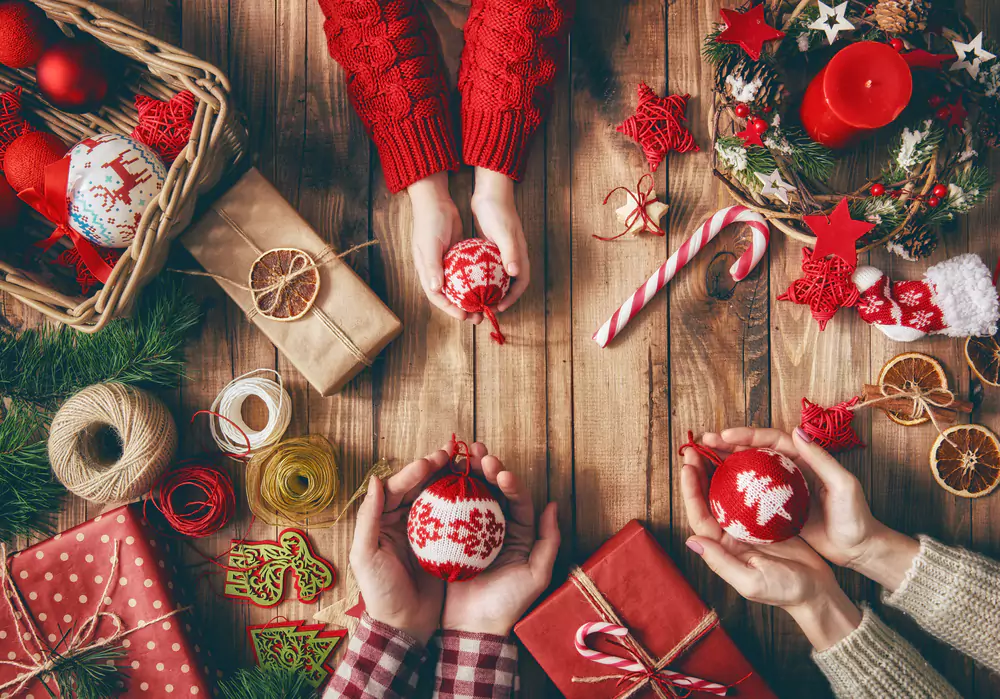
475 666
380 663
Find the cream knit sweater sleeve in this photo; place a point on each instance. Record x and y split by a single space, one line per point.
875 662
954 595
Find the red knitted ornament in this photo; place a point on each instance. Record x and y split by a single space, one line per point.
11 123
658 126
826 286
10 205
28 155
456 527
831 427
475 280
758 495
23 33
165 126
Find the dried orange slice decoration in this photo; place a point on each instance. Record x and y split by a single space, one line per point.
965 460
284 284
909 371
983 355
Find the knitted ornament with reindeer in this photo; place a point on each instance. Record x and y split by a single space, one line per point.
456 527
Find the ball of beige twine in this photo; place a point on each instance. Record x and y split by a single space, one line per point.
110 442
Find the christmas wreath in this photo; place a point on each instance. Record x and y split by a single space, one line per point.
765 149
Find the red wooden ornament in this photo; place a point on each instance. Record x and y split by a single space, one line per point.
165 126
27 156
12 124
23 33
751 136
73 75
475 280
658 126
748 29
837 234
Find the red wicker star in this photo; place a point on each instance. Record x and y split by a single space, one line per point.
831 427
837 234
12 124
70 257
748 29
658 126
826 286
165 126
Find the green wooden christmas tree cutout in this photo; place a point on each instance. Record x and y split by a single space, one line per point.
297 646
257 570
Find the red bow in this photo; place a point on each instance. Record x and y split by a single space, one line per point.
51 203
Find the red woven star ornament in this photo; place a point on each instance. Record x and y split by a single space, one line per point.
70 257
165 126
831 427
12 124
748 29
826 286
658 126
919 58
838 234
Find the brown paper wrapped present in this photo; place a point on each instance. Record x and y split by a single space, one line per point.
329 337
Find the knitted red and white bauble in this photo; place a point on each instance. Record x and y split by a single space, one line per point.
475 280
759 496
28 155
456 527
956 297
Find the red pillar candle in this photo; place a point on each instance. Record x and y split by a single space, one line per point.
864 87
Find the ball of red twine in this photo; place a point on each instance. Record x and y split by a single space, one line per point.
196 500
831 428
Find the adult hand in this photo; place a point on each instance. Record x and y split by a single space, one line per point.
436 227
396 590
496 215
787 574
841 526
496 598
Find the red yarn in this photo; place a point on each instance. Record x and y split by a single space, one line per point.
28 155
165 126
196 500
12 124
70 257
23 29
826 286
642 198
10 206
475 280
701 449
831 427
658 126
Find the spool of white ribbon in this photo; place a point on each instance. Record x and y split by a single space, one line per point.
232 434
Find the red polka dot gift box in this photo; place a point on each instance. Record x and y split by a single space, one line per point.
103 583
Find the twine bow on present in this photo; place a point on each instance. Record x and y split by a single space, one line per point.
641 670
51 203
642 198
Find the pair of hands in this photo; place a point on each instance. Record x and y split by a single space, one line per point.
437 226
792 574
398 592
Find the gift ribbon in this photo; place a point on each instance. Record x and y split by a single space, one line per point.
51 203
642 198
650 671
45 660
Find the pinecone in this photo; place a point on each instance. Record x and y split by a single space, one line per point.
902 16
915 244
736 81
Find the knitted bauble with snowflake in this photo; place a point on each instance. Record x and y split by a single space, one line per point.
456 527
759 496
956 297
475 280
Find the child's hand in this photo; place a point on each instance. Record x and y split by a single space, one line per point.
496 214
495 599
436 227
396 590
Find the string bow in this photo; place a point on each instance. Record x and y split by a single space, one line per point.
643 198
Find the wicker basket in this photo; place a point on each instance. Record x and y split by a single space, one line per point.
216 145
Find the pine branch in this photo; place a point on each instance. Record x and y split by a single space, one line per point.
267 683
29 494
94 674
812 160
885 212
912 149
745 163
970 189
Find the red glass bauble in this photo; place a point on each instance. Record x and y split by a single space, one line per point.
24 31
73 75
939 190
878 190
742 111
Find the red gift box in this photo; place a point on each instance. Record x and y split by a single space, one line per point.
74 593
674 640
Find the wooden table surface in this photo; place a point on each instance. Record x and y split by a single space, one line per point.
595 430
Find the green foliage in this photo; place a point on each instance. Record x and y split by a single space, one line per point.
912 148
270 683
970 188
90 675
812 160
885 212
29 493
790 47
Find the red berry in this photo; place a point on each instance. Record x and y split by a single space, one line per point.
759 125
768 109
870 10
896 44
894 194
935 101
742 111
944 113
939 190
933 202
878 190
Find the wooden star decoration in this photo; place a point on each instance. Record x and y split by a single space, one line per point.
839 16
748 29
775 186
975 47
838 234
658 126
957 113
750 136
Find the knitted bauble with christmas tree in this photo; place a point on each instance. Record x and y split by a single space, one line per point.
456 527
475 280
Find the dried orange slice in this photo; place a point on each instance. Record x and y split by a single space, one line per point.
909 371
965 460
983 355
284 283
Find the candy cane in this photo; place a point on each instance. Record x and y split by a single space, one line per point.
628 666
740 269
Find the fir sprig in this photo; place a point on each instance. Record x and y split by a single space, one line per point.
267 683
885 212
29 494
93 674
969 188
912 149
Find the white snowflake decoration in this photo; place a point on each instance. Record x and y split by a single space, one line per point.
976 48
774 186
827 13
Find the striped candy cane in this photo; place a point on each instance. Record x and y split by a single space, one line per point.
628 666
708 230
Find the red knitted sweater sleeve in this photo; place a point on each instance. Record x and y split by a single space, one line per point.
396 81
512 51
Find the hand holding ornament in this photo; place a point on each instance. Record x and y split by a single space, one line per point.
496 216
